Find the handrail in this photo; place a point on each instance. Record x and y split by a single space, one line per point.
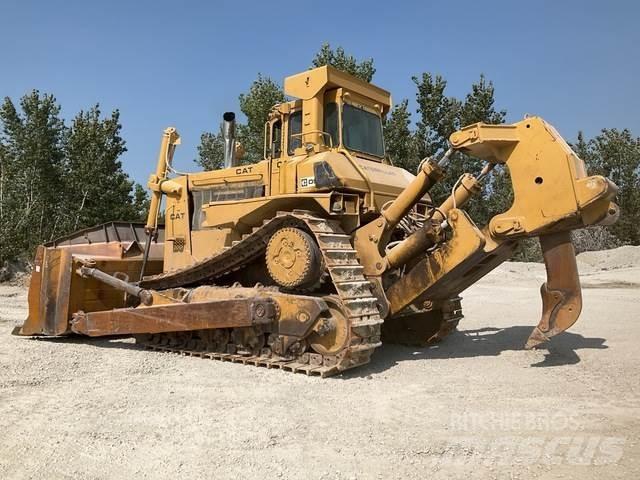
361 171
320 132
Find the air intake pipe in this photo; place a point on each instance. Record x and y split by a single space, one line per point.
229 134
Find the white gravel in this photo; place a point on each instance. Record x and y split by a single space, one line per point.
475 406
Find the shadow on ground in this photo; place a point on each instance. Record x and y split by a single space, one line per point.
561 350
113 341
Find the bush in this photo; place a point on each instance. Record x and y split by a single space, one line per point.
584 240
528 250
594 238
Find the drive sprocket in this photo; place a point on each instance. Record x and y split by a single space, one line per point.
293 258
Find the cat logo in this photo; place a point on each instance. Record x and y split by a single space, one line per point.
307 182
242 170
176 216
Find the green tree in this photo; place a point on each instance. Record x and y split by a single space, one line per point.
339 59
479 105
32 163
440 116
54 179
211 151
616 155
97 189
140 204
497 194
583 149
398 138
256 104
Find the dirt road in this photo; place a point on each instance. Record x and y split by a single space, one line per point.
475 406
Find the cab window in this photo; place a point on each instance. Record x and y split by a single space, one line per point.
362 131
276 139
331 123
295 129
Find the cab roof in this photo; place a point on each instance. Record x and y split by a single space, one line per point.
307 85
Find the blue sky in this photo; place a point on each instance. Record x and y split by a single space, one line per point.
576 63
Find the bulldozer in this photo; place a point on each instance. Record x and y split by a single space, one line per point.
309 259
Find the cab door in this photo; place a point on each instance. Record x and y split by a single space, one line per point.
273 151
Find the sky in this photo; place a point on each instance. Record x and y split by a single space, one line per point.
182 64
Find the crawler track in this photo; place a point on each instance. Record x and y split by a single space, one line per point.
353 294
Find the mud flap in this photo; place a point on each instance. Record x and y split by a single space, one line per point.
561 293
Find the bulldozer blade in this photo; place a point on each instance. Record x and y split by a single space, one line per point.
561 293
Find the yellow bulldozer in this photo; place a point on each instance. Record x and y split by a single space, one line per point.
307 260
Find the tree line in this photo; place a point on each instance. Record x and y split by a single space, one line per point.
57 177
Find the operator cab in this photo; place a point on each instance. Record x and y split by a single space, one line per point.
334 111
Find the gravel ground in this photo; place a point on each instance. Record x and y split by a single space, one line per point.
475 406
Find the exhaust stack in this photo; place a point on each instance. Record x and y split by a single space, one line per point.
229 134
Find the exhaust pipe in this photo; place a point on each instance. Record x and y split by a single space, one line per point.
229 134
